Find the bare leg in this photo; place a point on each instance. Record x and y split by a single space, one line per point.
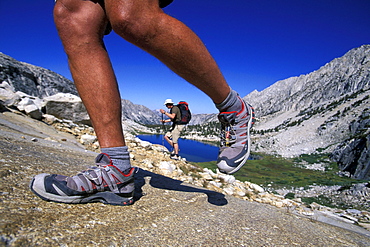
81 26
144 24
168 140
176 148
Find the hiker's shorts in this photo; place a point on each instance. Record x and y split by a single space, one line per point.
164 3
174 134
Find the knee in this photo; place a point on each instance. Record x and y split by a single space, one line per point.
137 27
60 15
63 15
76 27
63 25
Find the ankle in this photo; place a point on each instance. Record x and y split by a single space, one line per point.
120 157
232 103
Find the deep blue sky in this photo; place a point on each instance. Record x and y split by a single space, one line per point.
255 43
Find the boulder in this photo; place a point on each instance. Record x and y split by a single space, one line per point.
67 106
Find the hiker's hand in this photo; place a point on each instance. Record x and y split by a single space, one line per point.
162 111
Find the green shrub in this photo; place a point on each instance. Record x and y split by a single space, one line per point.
290 195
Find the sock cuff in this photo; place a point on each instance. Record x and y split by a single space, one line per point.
117 152
120 157
230 100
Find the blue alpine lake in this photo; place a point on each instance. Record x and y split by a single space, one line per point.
194 151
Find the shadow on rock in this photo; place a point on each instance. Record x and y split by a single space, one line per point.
163 182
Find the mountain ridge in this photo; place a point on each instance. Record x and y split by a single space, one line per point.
351 72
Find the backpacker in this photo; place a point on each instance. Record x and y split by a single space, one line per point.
185 113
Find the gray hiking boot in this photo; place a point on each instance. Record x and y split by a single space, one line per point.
104 183
235 138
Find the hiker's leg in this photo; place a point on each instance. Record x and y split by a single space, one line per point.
81 26
144 24
176 148
167 138
175 137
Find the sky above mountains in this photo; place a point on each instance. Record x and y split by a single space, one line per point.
255 43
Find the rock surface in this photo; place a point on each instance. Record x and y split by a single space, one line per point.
353 155
167 211
32 80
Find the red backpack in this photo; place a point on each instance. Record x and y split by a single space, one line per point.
185 113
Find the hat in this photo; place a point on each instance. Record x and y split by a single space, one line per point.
168 101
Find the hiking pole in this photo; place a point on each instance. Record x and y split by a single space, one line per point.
164 132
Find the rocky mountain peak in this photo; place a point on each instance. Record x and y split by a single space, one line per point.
315 112
344 75
33 80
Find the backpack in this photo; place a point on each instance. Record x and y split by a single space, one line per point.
185 113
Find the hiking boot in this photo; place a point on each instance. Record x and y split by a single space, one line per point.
104 183
175 156
235 138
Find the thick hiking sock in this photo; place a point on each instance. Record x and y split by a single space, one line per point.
120 157
231 103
